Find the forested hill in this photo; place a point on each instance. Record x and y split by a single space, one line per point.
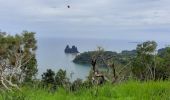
123 57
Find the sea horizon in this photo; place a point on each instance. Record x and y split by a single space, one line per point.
50 53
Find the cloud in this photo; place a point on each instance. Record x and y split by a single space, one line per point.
96 16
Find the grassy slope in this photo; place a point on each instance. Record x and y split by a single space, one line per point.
125 91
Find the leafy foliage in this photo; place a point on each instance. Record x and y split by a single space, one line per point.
151 66
17 58
53 81
143 64
122 58
163 61
60 78
48 78
77 85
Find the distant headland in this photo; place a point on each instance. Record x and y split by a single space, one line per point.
71 50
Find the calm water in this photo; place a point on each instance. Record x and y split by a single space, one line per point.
50 53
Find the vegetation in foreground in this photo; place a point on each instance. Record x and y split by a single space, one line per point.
18 68
131 90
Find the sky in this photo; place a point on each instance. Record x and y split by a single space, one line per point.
104 19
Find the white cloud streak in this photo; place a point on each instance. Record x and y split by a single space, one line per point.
109 15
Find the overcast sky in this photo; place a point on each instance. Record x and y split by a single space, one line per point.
114 19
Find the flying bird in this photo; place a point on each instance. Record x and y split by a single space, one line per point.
68 6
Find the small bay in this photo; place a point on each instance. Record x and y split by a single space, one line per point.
50 53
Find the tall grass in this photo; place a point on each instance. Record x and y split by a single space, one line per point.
131 90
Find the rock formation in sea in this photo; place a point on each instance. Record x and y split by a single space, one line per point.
73 49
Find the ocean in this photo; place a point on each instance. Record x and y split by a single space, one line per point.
50 53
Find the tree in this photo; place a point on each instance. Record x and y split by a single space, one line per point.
30 69
163 62
48 78
60 78
17 54
144 66
76 85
